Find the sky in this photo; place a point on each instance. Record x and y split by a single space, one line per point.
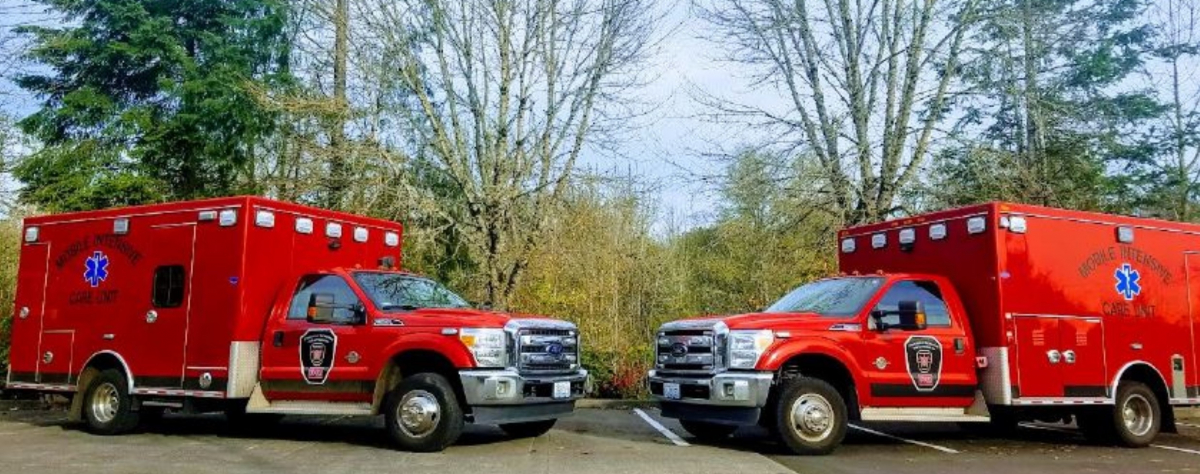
665 149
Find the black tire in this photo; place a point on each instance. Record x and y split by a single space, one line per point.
531 429
1136 419
107 405
429 398
823 411
708 431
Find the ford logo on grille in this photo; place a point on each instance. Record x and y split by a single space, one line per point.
678 349
554 348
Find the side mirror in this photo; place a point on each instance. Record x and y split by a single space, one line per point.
911 315
320 308
323 310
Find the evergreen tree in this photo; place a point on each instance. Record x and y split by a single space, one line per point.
1051 107
147 100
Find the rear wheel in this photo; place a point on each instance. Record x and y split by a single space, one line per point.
423 413
531 429
708 431
107 405
1134 421
811 416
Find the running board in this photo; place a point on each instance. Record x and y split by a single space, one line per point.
945 415
258 403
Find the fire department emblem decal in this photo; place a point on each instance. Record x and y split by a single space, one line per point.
923 357
317 347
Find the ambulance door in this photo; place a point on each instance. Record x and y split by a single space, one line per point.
30 303
304 360
158 349
931 367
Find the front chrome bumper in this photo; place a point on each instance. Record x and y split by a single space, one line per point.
727 389
509 387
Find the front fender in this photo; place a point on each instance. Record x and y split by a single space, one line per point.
447 346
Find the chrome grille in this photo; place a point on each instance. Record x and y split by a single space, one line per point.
689 350
545 350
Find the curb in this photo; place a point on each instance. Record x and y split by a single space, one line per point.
610 404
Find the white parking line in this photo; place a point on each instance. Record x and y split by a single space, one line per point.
661 429
1189 425
1172 448
906 440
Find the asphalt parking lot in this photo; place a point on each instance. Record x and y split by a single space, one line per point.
593 440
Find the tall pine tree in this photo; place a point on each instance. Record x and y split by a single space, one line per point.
147 100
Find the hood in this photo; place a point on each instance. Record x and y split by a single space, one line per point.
458 317
776 321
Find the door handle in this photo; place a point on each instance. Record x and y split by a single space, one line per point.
278 342
960 346
1069 357
1054 356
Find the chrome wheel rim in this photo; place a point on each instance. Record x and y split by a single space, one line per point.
812 417
418 413
106 402
1137 415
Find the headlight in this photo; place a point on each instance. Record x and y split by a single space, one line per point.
745 347
489 346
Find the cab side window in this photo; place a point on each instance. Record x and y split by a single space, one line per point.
343 297
926 292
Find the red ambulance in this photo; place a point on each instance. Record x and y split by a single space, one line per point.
252 306
995 313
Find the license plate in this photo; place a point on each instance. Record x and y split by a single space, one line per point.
671 391
562 389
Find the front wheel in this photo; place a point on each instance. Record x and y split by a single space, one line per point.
811 416
708 431
107 405
423 414
530 429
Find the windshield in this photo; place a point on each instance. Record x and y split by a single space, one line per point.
394 291
837 297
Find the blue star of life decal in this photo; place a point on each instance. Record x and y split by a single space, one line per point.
96 269
1127 282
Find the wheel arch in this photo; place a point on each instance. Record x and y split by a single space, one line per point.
825 367
97 362
415 361
1146 373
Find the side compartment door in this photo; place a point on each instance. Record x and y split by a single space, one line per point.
163 314
1083 367
1039 357
28 312
311 361
933 367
